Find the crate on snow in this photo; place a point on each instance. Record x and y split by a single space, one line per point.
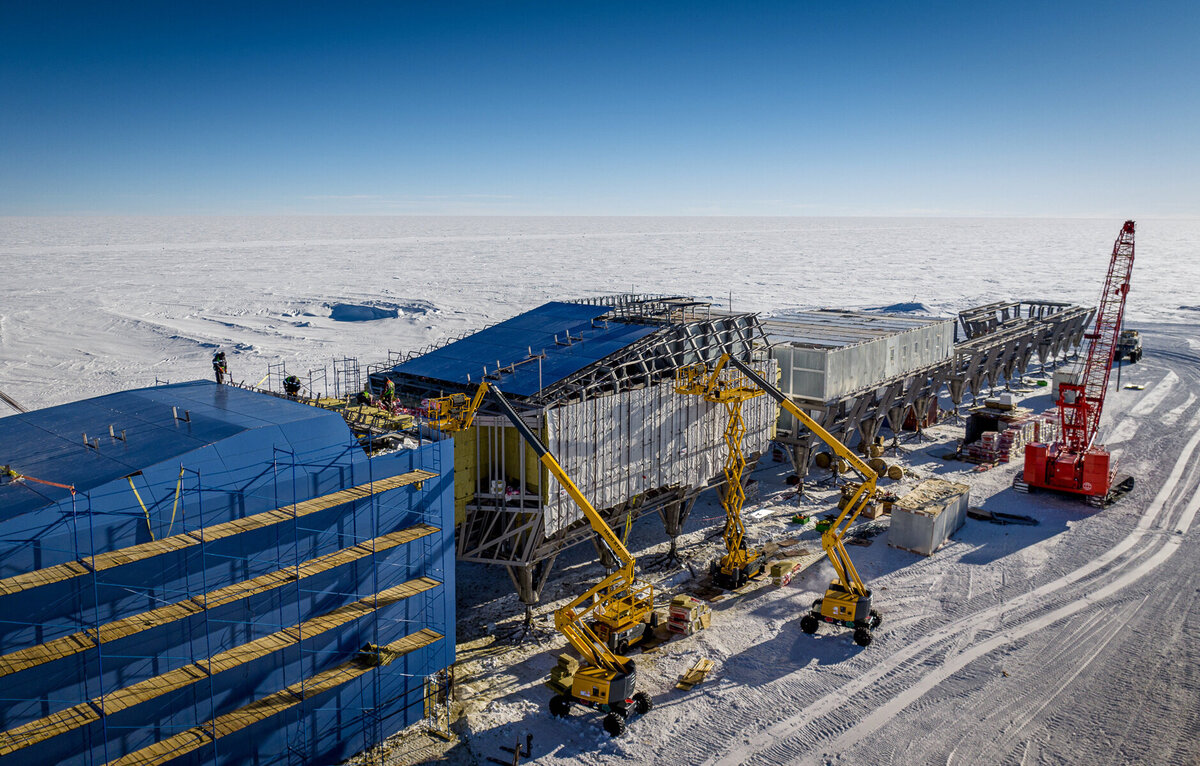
926 517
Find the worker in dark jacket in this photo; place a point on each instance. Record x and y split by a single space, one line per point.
365 396
220 368
291 386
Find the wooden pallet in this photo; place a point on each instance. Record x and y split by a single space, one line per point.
695 674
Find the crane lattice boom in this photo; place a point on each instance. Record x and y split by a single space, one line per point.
1081 405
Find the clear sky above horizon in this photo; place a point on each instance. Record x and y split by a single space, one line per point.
623 108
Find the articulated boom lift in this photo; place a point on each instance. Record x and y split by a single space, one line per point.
847 600
1076 464
739 564
617 607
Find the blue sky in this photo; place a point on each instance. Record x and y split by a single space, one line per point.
569 108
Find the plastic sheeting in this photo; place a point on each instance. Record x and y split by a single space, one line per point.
244 454
617 447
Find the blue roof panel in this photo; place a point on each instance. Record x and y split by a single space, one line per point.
519 341
48 444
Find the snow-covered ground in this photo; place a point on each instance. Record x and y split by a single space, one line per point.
93 305
1074 641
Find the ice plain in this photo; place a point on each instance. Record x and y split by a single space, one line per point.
1069 642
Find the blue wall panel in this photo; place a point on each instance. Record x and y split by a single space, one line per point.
242 454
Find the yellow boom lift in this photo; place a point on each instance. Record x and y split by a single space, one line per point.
615 610
847 600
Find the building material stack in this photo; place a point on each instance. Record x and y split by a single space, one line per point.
995 434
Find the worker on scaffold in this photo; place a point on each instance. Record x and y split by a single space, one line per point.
220 367
387 399
365 396
291 386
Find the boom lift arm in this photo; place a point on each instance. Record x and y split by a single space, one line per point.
607 680
847 601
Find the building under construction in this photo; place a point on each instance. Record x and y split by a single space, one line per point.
197 573
852 371
595 379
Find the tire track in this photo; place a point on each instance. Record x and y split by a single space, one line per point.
1106 567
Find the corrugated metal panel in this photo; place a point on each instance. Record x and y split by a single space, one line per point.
563 334
617 447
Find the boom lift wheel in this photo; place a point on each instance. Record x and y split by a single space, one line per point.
614 725
560 706
876 619
862 636
809 624
642 703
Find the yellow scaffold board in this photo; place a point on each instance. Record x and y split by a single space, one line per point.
695 674
271 705
142 551
58 648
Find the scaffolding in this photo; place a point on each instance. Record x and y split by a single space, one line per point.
262 599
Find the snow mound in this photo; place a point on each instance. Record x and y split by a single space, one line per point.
359 312
349 312
908 307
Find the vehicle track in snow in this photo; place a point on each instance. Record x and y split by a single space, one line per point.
1088 599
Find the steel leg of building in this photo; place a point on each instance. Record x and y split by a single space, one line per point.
674 515
868 428
529 579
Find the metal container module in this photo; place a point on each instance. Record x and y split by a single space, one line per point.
926 517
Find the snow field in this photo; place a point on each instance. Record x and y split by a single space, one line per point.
1076 641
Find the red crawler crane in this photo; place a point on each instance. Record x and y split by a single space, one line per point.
1075 464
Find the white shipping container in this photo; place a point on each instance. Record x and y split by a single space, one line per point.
824 355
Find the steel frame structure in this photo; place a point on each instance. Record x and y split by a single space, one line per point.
509 529
1002 339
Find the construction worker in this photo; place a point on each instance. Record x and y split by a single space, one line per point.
220 368
291 386
365 396
388 397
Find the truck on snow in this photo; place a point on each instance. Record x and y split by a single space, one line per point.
1129 346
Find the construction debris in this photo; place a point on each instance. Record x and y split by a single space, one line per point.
695 674
996 517
784 570
688 615
996 434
